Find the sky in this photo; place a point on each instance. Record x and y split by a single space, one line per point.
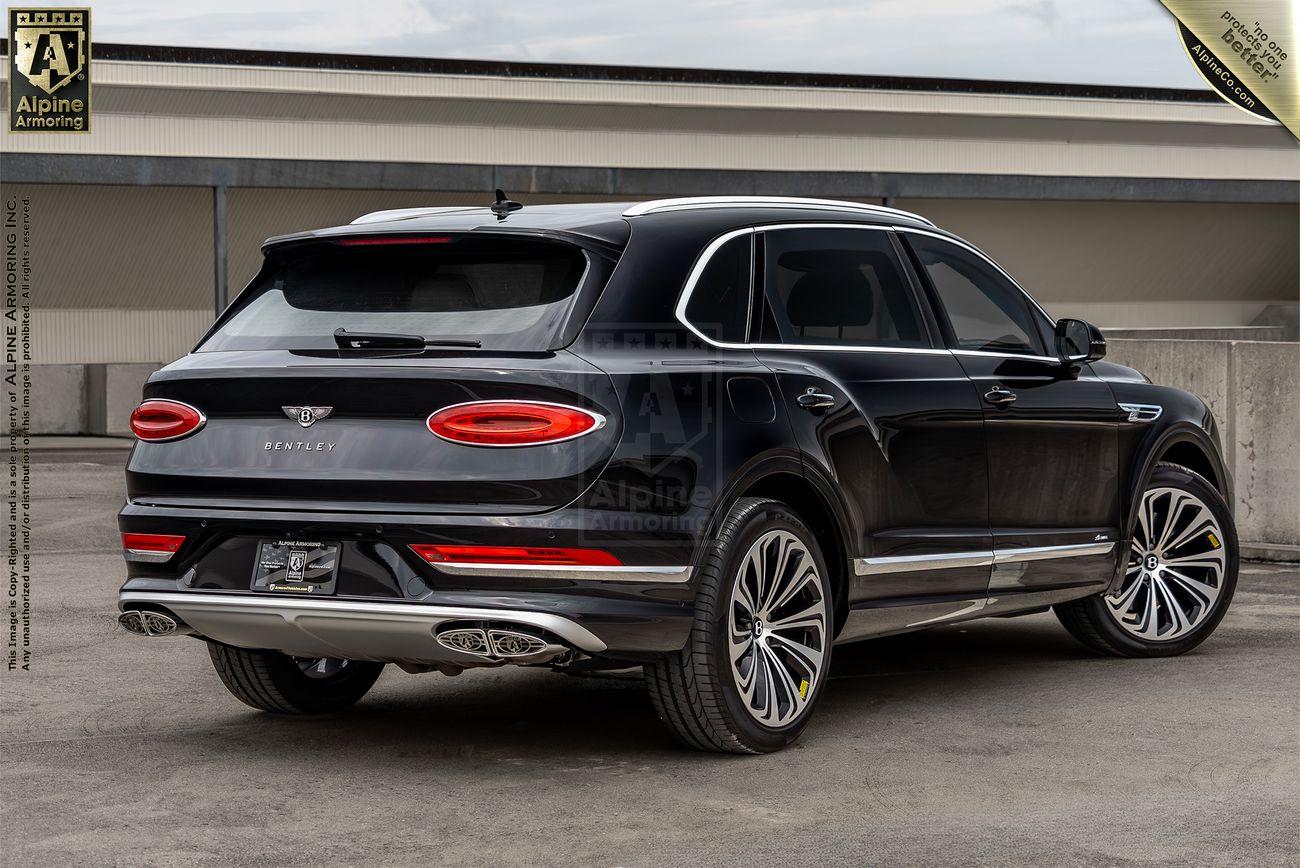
1131 42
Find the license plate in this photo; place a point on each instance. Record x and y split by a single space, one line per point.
296 566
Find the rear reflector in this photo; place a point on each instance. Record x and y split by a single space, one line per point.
381 240
158 419
151 548
539 556
512 423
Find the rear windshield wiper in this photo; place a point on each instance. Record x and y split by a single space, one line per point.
363 340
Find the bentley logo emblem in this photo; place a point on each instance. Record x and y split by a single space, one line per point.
307 415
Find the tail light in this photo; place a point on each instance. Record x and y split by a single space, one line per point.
158 419
512 423
522 555
151 548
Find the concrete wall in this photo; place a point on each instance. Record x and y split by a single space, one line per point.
118 273
1132 264
85 399
1253 389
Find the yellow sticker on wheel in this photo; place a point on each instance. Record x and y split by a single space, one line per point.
803 689
1214 540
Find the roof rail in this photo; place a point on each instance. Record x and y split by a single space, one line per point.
659 205
408 213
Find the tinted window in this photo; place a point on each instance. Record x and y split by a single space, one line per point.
506 293
720 302
986 311
838 286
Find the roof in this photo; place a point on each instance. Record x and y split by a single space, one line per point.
606 221
612 72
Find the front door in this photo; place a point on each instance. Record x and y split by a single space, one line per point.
1051 433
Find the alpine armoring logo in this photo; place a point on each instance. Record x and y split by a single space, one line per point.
49 70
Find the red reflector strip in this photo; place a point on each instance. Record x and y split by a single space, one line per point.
512 423
566 557
381 240
153 548
153 542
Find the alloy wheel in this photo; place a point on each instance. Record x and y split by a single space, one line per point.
1176 567
777 628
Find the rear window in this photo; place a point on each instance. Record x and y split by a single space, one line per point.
508 294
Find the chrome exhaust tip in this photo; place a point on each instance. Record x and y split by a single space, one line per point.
144 622
467 641
500 644
510 644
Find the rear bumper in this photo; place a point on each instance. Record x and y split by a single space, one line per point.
348 629
389 601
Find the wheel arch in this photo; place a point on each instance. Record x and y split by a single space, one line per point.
1182 443
815 501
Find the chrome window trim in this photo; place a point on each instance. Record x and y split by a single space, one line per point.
1032 358
1142 412
656 206
673 574
982 558
599 419
697 270
290 608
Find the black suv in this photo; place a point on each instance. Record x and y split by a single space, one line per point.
709 437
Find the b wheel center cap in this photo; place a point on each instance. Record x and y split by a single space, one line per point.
1150 562
758 628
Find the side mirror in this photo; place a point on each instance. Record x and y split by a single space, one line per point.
1079 342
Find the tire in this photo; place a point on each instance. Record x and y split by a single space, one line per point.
1194 577
697 691
271 681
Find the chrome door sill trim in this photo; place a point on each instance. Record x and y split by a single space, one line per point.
953 560
558 571
206 606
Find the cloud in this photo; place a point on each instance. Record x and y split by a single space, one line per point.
1102 41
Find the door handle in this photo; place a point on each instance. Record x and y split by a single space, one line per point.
1000 397
813 400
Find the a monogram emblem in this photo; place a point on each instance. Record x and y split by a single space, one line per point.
306 416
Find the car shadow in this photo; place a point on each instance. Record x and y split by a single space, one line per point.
536 716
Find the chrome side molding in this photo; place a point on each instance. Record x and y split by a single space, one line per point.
908 563
1047 553
953 560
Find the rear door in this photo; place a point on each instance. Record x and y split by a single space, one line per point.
1051 433
884 412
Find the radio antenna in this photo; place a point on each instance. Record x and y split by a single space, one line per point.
503 206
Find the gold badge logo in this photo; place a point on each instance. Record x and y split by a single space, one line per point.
49 70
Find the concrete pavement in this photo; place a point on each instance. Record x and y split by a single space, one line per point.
997 742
